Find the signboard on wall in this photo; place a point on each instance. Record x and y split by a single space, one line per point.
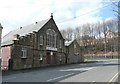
51 48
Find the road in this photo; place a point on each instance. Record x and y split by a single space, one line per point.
101 71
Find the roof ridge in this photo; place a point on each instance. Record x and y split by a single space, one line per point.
44 19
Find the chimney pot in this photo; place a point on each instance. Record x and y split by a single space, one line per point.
20 27
51 15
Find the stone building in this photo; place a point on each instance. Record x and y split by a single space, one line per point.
73 52
35 45
0 38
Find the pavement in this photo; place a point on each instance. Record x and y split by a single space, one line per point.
101 71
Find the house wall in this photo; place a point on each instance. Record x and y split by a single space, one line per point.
46 54
18 61
80 58
34 50
74 55
71 53
6 55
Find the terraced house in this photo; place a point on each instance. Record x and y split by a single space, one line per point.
34 45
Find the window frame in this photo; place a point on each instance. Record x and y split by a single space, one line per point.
51 38
24 53
41 40
60 43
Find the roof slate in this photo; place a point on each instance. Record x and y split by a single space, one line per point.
8 39
67 43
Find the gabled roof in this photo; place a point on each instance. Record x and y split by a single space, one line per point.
8 39
67 43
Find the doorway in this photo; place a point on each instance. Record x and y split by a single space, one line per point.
48 58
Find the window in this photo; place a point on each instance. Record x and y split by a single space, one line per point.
24 53
51 38
75 49
74 45
60 58
41 40
60 44
41 57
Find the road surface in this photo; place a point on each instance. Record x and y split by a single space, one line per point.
101 71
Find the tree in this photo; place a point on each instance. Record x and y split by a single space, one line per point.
63 32
69 33
77 33
104 27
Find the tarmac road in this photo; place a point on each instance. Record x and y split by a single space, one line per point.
102 71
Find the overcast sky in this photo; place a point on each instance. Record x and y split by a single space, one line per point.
66 13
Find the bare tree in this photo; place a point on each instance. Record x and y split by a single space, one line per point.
98 29
77 33
69 34
63 32
97 33
112 37
86 34
104 27
85 30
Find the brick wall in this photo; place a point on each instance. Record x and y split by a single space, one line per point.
6 55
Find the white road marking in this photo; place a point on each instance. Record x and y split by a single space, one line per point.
78 69
60 77
93 81
10 78
115 76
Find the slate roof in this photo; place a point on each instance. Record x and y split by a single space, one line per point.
67 43
8 39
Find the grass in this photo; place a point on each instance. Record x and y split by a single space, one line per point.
100 55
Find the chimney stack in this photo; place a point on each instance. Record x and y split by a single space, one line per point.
51 15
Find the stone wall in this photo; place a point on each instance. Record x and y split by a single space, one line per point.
34 50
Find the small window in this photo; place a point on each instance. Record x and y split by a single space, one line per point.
60 58
74 45
41 57
24 53
60 44
41 40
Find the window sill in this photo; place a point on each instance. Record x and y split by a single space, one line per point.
23 57
41 44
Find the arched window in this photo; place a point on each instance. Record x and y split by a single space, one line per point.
51 38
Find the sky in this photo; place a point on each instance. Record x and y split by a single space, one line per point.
66 13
